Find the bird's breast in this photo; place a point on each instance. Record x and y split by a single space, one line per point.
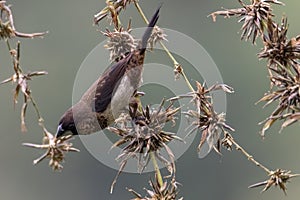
125 89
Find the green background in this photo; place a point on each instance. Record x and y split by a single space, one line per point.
71 36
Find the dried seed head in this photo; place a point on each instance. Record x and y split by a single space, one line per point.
277 47
284 69
276 178
286 93
157 35
177 71
21 80
253 16
227 141
114 7
142 134
7 28
168 191
120 43
6 31
55 149
205 120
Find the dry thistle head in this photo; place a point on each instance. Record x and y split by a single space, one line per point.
254 17
288 98
205 120
283 65
157 35
120 43
113 7
55 148
21 79
177 71
277 47
7 28
167 191
276 178
142 134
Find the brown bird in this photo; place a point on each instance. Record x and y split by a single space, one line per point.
104 101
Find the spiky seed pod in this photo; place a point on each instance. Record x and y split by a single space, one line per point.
120 43
279 177
167 191
278 48
253 16
113 7
142 134
5 30
205 120
7 27
286 93
157 35
55 149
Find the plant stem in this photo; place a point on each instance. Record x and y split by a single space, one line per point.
8 45
17 68
38 113
152 156
138 7
176 64
155 165
249 157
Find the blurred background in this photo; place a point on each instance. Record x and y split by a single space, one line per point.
71 37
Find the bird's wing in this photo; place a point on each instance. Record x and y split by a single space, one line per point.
100 93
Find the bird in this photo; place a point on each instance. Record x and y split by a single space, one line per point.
107 97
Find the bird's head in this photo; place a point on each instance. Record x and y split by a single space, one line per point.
66 125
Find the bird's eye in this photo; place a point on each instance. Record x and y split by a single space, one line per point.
71 126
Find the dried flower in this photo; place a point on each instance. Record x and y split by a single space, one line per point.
21 79
254 17
7 28
277 47
157 35
177 71
227 141
277 178
142 134
120 43
114 7
159 192
55 149
206 120
288 98
290 119
22 82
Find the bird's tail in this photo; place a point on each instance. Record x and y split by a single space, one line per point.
148 31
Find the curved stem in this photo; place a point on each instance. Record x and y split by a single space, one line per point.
176 64
38 113
155 165
249 157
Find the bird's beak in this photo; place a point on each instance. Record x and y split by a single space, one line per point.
60 131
